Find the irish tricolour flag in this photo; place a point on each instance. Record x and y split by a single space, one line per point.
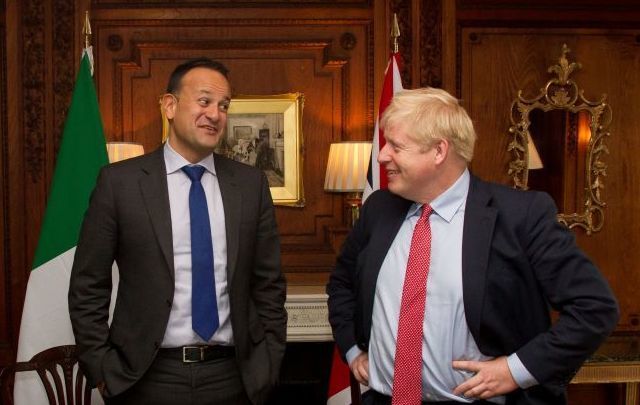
45 317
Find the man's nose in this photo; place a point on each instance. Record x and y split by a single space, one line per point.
212 112
383 156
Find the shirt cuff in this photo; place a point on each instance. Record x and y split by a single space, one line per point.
352 354
520 374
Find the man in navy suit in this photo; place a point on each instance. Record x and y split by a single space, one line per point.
499 260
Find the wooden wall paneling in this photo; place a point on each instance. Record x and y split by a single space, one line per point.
449 46
13 179
195 3
329 60
5 303
549 13
498 62
37 79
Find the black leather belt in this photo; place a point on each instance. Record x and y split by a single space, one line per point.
195 354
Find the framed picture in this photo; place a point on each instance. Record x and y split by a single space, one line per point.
243 131
266 132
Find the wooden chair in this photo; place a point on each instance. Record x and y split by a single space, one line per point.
55 367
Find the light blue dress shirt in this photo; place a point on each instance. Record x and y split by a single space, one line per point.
179 331
445 330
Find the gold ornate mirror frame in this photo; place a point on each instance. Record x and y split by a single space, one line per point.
562 93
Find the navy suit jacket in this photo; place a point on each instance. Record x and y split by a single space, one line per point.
518 262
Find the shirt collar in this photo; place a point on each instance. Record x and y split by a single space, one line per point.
174 161
448 203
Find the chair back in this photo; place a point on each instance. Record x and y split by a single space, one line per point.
55 367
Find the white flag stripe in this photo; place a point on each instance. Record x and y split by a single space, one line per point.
47 314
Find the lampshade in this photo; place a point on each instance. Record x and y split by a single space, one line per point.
534 158
118 151
347 166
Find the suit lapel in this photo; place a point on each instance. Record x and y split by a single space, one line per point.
232 204
479 222
156 200
383 234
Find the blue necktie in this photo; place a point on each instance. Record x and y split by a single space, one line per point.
204 308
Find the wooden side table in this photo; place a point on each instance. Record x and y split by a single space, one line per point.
616 361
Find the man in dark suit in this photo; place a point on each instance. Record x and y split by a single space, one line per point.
140 217
496 260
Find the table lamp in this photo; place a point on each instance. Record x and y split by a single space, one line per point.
346 173
118 151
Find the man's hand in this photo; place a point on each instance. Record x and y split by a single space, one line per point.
491 378
360 368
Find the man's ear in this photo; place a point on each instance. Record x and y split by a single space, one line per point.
442 150
169 103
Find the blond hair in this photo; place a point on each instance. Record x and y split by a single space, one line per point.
429 115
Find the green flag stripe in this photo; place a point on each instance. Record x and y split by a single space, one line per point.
82 153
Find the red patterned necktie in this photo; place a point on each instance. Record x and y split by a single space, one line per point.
407 373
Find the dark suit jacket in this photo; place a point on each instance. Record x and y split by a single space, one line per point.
517 262
129 221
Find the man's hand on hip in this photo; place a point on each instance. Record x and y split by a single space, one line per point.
492 378
360 368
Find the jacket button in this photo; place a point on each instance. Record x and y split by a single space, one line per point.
156 345
168 303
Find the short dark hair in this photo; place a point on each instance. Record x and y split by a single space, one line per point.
182 69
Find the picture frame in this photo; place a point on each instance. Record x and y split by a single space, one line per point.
265 131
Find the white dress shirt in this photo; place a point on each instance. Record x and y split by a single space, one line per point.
179 331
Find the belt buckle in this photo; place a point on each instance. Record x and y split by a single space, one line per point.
184 354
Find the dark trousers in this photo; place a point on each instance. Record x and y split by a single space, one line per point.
169 381
372 397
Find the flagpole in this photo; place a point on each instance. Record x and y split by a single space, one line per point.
395 32
86 30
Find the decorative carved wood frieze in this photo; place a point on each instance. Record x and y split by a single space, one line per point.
63 64
431 43
236 3
36 83
33 72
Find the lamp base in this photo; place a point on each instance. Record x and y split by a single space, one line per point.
353 202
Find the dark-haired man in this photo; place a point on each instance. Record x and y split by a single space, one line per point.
199 314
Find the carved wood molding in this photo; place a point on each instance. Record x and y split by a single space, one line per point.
33 68
5 274
431 43
230 22
63 64
234 3
36 81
